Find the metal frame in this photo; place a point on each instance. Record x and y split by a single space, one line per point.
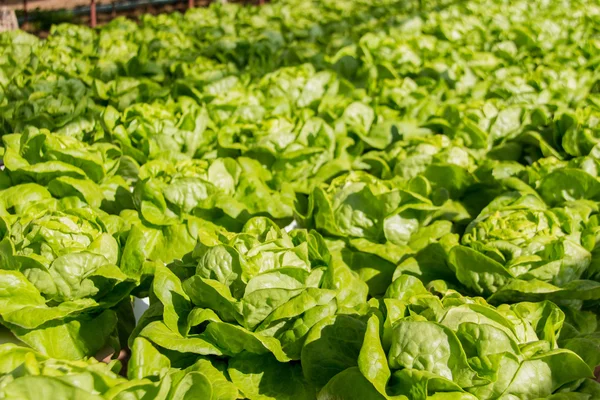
93 9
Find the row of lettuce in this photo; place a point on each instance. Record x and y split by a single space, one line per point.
332 200
364 300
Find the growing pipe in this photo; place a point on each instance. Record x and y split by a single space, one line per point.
107 8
